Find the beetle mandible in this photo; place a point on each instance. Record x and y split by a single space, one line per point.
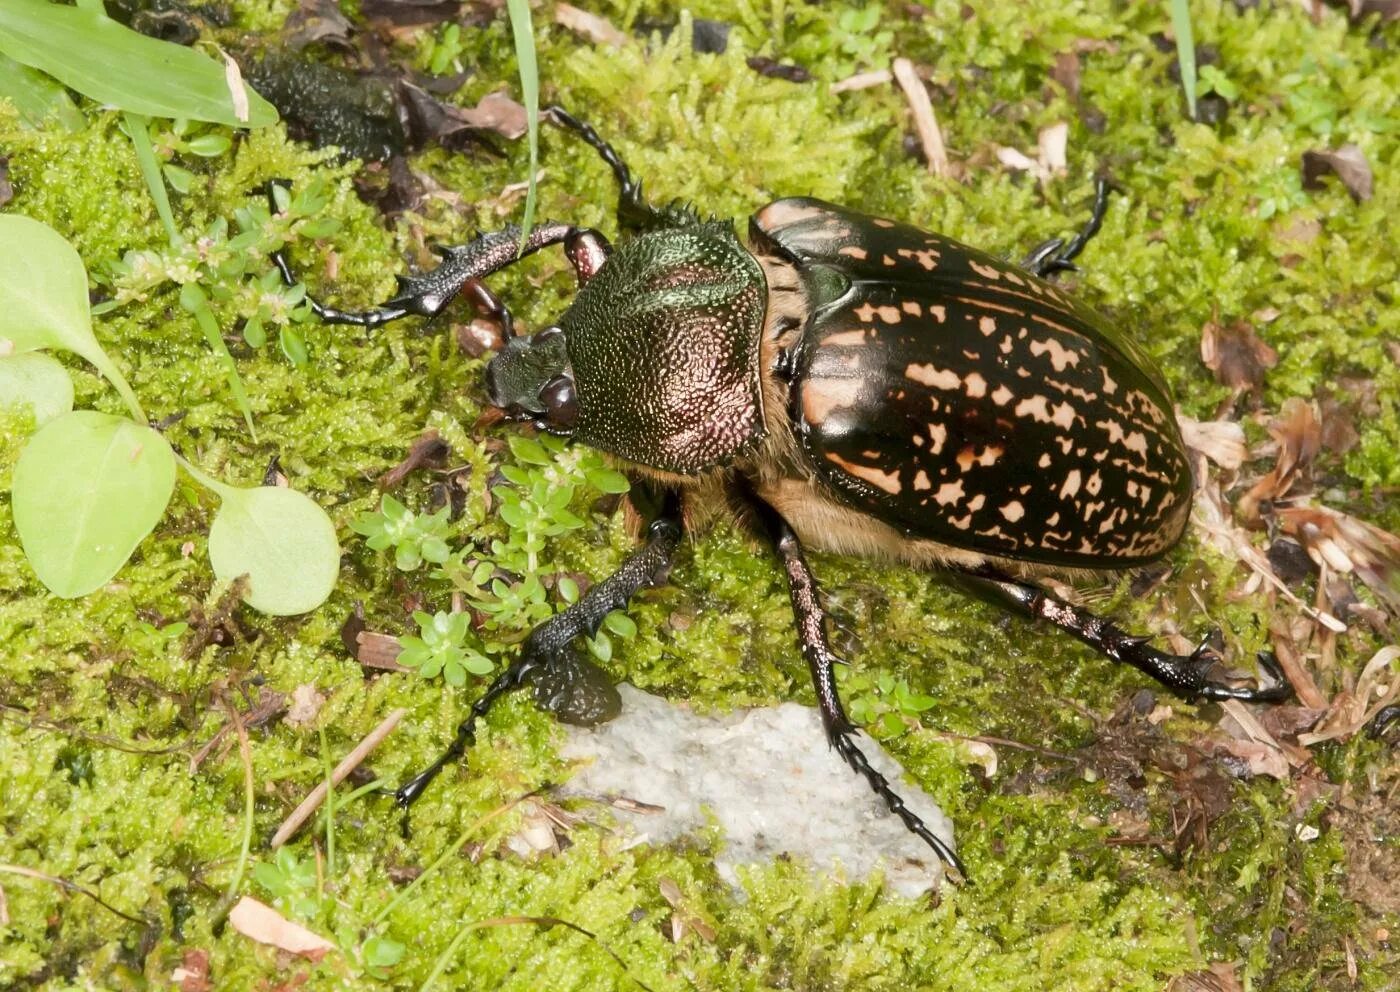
841 382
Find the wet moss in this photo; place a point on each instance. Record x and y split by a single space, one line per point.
103 710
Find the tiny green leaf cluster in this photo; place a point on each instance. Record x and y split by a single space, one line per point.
415 537
442 648
885 705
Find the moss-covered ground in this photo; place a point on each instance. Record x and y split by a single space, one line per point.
1085 876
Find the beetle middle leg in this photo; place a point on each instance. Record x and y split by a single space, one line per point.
821 661
1185 675
1050 257
565 684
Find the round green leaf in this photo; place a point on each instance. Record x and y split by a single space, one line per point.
88 487
37 381
44 293
282 541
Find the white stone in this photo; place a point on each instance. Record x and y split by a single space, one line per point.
768 778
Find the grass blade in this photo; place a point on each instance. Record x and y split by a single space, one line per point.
524 33
1185 51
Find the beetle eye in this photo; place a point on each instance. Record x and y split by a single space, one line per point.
560 403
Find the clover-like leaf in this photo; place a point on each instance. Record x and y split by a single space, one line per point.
38 382
282 541
44 298
87 489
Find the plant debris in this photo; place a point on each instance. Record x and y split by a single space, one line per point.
774 69
596 29
410 13
318 21
925 122
1348 163
262 923
7 192
1237 356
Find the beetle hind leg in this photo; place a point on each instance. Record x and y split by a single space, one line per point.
1055 255
822 660
1186 675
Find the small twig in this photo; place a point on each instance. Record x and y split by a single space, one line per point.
347 765
930 137
68 886
1015 745
863 81
4 909
245 754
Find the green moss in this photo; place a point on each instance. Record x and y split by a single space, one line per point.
103 711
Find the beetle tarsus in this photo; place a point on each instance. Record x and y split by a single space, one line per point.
634 212
1053 256
549 645
821 661
1185 675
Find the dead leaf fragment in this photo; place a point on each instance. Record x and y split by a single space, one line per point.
1388 10
594 28
192 975
306 703
1065 71
1051 148
1236 355
264 924
410 13
1222 441
7 191
1347 163
317 20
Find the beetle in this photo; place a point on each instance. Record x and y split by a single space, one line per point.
841 382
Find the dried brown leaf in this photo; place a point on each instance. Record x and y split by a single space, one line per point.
429 450
1347 163
264 924
430 119
1065 71
192 974
410 13
1236 355
1388 10
594 28
1348 544
1222 441
7 192
1298 435
317 20
1376 688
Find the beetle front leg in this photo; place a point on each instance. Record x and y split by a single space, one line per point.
1185 675
462 268
565 683
821 662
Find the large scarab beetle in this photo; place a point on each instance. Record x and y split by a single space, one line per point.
840 382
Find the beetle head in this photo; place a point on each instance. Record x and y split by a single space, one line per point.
530 379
